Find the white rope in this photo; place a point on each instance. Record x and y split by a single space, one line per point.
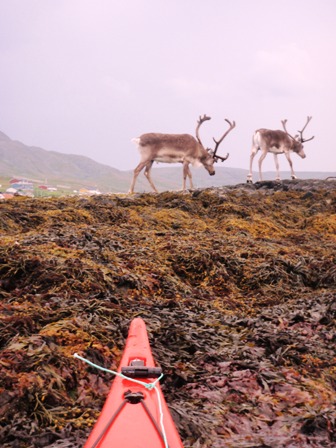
142 383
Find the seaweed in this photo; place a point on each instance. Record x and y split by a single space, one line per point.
236 286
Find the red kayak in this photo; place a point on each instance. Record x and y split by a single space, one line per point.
134 416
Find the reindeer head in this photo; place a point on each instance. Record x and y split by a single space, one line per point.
211 157
208 161
298 140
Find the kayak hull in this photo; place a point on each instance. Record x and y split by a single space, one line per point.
132 414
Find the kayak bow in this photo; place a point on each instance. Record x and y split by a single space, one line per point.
135 413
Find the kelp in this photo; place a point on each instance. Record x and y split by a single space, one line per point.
236 286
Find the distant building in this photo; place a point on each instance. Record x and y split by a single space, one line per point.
21 184
88 191
6 195
47 187
11 190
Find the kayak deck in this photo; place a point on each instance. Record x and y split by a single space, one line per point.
134 415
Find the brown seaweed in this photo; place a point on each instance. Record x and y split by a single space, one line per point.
237 288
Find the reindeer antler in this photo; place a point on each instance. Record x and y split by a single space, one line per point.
232 125
200 121
301 139
285 129
301 132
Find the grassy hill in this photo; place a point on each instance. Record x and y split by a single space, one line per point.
19 160
236 286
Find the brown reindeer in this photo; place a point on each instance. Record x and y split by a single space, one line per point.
172 148
277 142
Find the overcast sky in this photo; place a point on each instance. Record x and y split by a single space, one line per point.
85 76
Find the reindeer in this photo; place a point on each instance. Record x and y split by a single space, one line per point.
172 148
277 142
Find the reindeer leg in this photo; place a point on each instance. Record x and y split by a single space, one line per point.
276 161
290 164
260 161
190 178
249 176
148 174
186 173
137 171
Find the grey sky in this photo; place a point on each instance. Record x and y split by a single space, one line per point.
85 76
